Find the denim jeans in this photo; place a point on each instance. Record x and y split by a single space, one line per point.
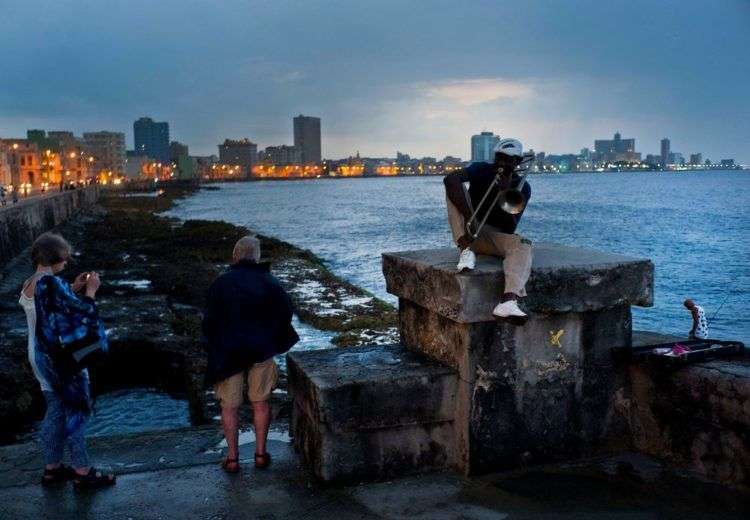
53 439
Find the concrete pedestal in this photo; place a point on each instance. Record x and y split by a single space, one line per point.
366 413
533 393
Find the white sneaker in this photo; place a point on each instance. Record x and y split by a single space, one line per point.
510 311
467 260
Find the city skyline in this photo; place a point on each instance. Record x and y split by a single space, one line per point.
383 79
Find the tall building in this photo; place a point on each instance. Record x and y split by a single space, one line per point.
307 138
483 147
152 138
664 152
241 152
616 149
696 158
108 151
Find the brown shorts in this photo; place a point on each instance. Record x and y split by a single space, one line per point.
261 380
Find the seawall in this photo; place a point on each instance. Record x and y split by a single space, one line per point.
21 223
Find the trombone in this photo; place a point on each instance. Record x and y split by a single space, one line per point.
511 199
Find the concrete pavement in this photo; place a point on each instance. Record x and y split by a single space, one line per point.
175 474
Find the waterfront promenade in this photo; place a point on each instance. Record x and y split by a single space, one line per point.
175 475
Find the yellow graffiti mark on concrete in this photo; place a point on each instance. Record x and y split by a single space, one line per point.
554 337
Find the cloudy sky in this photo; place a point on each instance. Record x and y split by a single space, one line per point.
415 76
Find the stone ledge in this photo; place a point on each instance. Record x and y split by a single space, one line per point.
370 387
371 412
697 416
563 279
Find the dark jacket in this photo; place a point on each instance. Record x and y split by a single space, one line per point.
480 176
247 320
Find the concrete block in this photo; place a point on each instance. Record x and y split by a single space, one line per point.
371 412
563 279
372 454
539 392
697 416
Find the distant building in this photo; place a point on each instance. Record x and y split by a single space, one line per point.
563 163
307 138
696 158
185 167
676 158
453 161
665 152
63 139
177 150
483 147
136 164
282 155
40 138
403 159
152 138
76 161
616 150
653 160
5 177
24 161
202 164
242 152
108 151
539 161
727 163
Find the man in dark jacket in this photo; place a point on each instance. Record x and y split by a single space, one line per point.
498 236
247 322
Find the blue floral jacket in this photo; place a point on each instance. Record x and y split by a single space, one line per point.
62 315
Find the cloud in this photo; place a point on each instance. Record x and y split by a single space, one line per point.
471 92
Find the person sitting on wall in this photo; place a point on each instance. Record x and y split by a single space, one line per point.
700 324
247 321
497 237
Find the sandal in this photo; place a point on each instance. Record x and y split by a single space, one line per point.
94 479
262 460
61 473
231 465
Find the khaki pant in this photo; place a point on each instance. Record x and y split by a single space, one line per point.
515 250
261 380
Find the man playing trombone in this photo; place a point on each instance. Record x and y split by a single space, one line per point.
484 219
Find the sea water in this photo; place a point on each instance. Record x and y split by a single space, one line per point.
694 226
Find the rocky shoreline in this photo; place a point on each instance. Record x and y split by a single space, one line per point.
156 271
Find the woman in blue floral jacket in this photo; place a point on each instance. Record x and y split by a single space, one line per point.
54 313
